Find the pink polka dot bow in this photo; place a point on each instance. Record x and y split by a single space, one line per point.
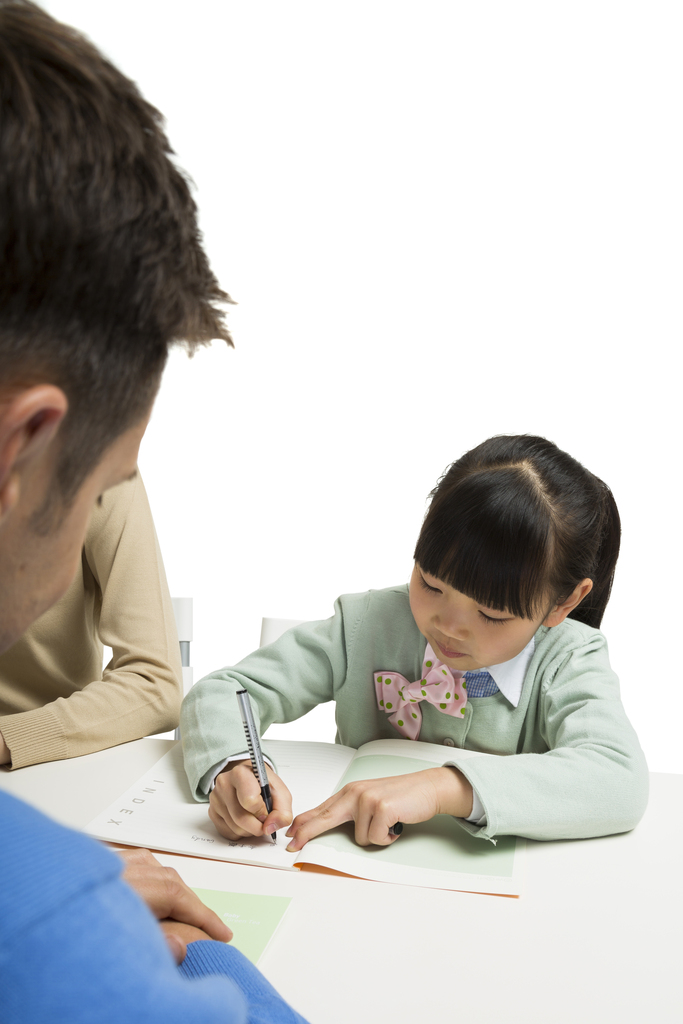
443 687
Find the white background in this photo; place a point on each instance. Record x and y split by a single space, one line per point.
441 221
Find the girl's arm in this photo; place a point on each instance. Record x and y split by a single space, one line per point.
591 781
285 680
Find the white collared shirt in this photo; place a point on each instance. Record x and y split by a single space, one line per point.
509 675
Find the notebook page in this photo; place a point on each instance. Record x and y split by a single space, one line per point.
437 853
158 811
434 753
311 771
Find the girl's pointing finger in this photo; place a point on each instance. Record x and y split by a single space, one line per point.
320 819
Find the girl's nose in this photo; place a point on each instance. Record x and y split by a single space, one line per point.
456 636
453 628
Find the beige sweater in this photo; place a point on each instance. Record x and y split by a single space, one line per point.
55 700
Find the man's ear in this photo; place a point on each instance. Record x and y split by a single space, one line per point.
562 610
29 421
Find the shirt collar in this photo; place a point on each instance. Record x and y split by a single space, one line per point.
509 675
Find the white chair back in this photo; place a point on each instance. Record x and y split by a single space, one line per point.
183 612
272 629
184 619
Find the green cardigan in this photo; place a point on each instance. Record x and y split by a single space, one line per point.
576 768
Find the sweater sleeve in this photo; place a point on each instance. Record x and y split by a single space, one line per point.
285 680
139 692
593 778
78 945
214 958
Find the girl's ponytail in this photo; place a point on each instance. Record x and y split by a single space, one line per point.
592 608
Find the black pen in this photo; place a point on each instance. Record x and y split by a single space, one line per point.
254 745
396 829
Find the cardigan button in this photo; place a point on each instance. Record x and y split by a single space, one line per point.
448 742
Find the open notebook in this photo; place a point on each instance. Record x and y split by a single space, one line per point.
159 812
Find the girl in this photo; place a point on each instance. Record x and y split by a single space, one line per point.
493 646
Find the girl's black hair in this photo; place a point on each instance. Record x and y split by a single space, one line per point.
516 524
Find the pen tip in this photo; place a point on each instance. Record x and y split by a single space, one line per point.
274 837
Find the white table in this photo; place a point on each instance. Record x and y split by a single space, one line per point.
597 935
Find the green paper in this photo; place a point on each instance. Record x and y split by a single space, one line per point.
440 844
253 919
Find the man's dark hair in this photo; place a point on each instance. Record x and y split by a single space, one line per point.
101 260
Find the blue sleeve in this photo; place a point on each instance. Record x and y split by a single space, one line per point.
77 945
265 1006
102 957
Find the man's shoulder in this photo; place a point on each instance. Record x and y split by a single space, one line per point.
116 506
43 864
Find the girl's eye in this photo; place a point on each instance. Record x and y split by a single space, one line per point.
488 618
432 590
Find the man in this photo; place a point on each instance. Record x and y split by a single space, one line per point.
101 270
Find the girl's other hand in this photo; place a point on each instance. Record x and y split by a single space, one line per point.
377 804
236 806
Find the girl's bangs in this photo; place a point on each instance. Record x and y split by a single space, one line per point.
489 538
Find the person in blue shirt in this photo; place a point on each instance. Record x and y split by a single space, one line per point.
101 269
77 944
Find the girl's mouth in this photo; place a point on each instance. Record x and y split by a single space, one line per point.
451 654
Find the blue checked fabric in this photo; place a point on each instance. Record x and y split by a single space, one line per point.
480 684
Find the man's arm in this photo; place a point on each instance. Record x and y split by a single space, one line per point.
123 599
78 945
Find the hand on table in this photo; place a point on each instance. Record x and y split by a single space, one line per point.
173 903
377 804
179 935
236 806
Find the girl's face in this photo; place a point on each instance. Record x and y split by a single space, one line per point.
466 635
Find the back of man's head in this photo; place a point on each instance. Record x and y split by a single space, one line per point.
101 262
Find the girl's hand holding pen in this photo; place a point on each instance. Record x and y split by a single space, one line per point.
377 804
236 806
